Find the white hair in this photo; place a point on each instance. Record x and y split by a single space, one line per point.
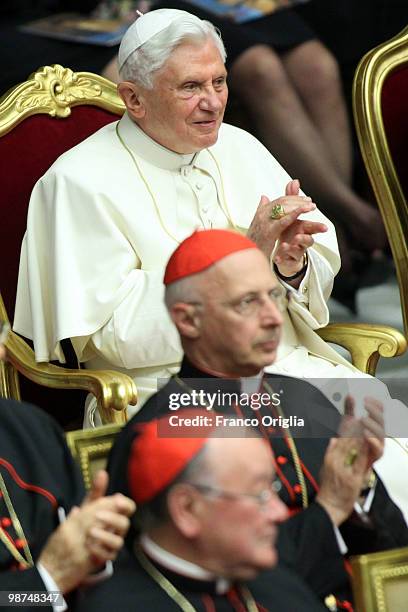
144 62
184 290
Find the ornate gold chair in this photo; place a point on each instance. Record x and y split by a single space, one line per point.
380 102
40 119
90 448
380 581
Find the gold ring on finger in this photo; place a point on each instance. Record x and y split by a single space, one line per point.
351 457
277 212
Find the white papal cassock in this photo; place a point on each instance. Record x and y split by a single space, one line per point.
103 222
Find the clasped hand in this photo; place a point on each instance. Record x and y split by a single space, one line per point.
288 237
343 478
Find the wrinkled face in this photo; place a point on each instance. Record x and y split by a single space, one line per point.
240 322
184 110
238 534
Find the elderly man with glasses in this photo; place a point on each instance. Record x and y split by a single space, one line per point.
207 519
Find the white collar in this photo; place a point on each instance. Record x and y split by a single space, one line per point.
181 566
150 150
251 384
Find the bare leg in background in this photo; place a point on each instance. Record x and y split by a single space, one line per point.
298 111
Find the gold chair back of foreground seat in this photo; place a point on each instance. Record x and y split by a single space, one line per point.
380 581
91 447
40 119
380 104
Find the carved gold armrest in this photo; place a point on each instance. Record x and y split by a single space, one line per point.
366 343
113 390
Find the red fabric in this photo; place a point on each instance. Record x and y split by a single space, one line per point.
344 605
201 250
27 486
394 102
235 600
26 153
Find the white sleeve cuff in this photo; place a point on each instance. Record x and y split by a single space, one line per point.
341 543
51 587
369 499
360 510
102 575
299 292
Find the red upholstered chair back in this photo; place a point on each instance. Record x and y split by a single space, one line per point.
26 153
394 106
380 103
51 112
29 147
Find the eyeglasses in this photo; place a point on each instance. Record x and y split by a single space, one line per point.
4 331
262 498
252 303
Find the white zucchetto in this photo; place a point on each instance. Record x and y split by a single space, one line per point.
144 28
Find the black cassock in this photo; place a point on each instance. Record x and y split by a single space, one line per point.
307 541
132 589
40 476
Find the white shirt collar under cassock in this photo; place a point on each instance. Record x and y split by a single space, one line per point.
150 150
181 566
251 384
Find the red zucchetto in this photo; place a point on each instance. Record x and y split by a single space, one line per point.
203 249
158 455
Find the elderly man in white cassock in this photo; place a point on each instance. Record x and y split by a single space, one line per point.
106 216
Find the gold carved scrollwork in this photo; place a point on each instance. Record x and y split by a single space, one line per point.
57 88
54 90
365 343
